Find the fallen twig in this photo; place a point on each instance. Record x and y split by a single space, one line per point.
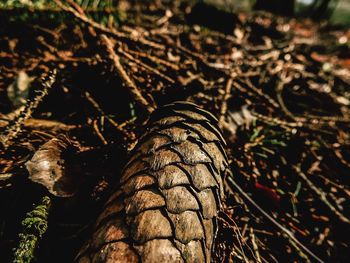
322 195
145 66
98 132
41 124
12 131
223 108
133 90
103 29
118 127
255 246
289 234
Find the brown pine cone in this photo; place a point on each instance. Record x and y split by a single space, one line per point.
170 192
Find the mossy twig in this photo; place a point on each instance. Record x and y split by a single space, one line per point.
34 227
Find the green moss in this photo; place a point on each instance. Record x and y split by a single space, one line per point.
34 226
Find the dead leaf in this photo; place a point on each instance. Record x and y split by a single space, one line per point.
48 168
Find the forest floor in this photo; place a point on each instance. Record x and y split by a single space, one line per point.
280 88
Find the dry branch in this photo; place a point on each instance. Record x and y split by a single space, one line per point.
227 95
129 83
105 30
233 185
13 129
322 195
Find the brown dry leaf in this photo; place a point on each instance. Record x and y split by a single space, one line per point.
47 167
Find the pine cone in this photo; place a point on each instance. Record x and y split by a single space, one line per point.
170 192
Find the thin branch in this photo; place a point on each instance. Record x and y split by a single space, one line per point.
98 132
289 234
13 130
41 124
261 93
103 114
145 66
227 95
155 59
105 30
322 195
132 88
255 246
